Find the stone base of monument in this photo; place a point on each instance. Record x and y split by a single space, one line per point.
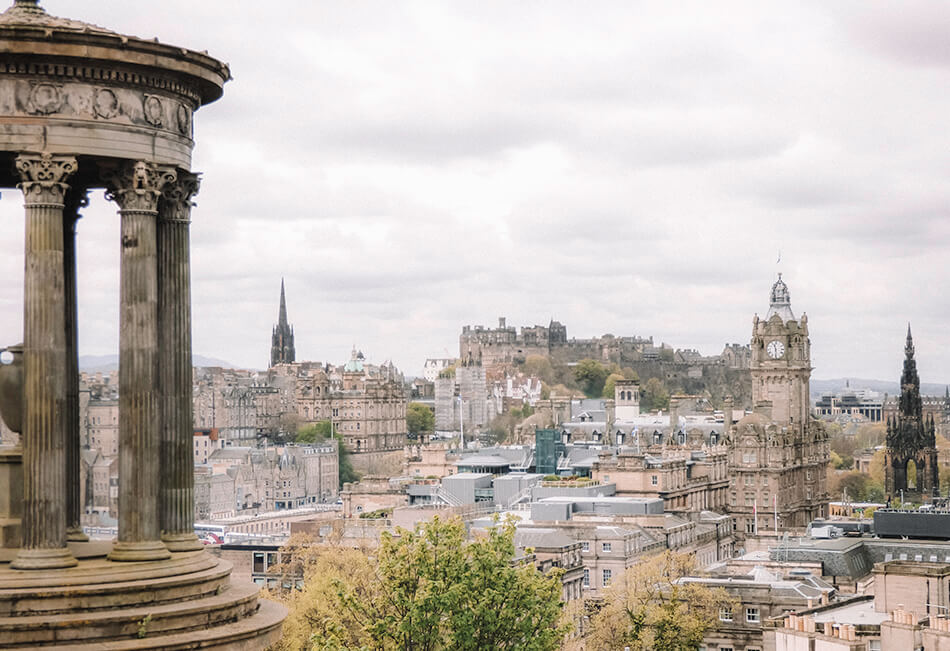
11 495
185 602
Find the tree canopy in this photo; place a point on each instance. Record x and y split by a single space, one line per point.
419 419
590 376
427 589
649 607
654 395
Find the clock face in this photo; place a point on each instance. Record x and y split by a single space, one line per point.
775 349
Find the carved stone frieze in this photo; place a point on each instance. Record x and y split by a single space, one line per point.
45 99
98 102
43 177
176 197
138 186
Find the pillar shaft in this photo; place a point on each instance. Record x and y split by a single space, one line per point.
177 495
44 359
75 200
136 188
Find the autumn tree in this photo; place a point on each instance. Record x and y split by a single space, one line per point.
650 606
590 376
654 395
419 419
610 384
426 589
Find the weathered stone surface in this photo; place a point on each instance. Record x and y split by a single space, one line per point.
82 108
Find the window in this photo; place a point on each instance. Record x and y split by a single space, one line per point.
606 575
258 561
725 614
586 578
752 615
653 480
874 645
585 546
605 547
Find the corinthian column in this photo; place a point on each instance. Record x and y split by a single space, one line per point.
44 364
75 199
136 187
177 495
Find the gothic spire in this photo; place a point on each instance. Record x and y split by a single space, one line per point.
282 316
282 339
910 402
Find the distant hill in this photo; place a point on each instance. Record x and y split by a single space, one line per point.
891 388
106 363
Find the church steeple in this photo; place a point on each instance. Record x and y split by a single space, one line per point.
282 339
282 316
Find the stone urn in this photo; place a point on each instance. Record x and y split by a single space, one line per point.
11 389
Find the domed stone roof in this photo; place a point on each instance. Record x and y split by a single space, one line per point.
28 13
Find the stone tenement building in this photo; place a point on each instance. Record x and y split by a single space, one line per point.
365 403
239 480
499 348
282 339
242 405
911 440
778 454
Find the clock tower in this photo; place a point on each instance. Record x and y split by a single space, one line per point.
778 453
781 362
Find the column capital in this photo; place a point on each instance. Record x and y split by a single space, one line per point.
43 177
177 195
137 186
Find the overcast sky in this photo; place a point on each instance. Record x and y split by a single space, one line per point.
631 168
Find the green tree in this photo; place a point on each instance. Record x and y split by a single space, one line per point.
654 395
610 383
590 376
856 484
649 607
419 419
322 431
427 589
315 432
540 367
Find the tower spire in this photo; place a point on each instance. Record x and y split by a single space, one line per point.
282 316
282 339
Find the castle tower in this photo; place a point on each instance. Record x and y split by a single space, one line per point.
778 455
282 339
911 438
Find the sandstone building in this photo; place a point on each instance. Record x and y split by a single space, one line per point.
778 454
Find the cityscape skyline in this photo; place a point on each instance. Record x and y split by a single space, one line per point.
642 181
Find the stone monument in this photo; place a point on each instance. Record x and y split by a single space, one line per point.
81 108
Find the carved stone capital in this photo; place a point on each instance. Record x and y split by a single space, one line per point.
43 177
176 197
137 186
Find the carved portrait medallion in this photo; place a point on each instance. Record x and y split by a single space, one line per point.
45 99
106 104
184 121
153 110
